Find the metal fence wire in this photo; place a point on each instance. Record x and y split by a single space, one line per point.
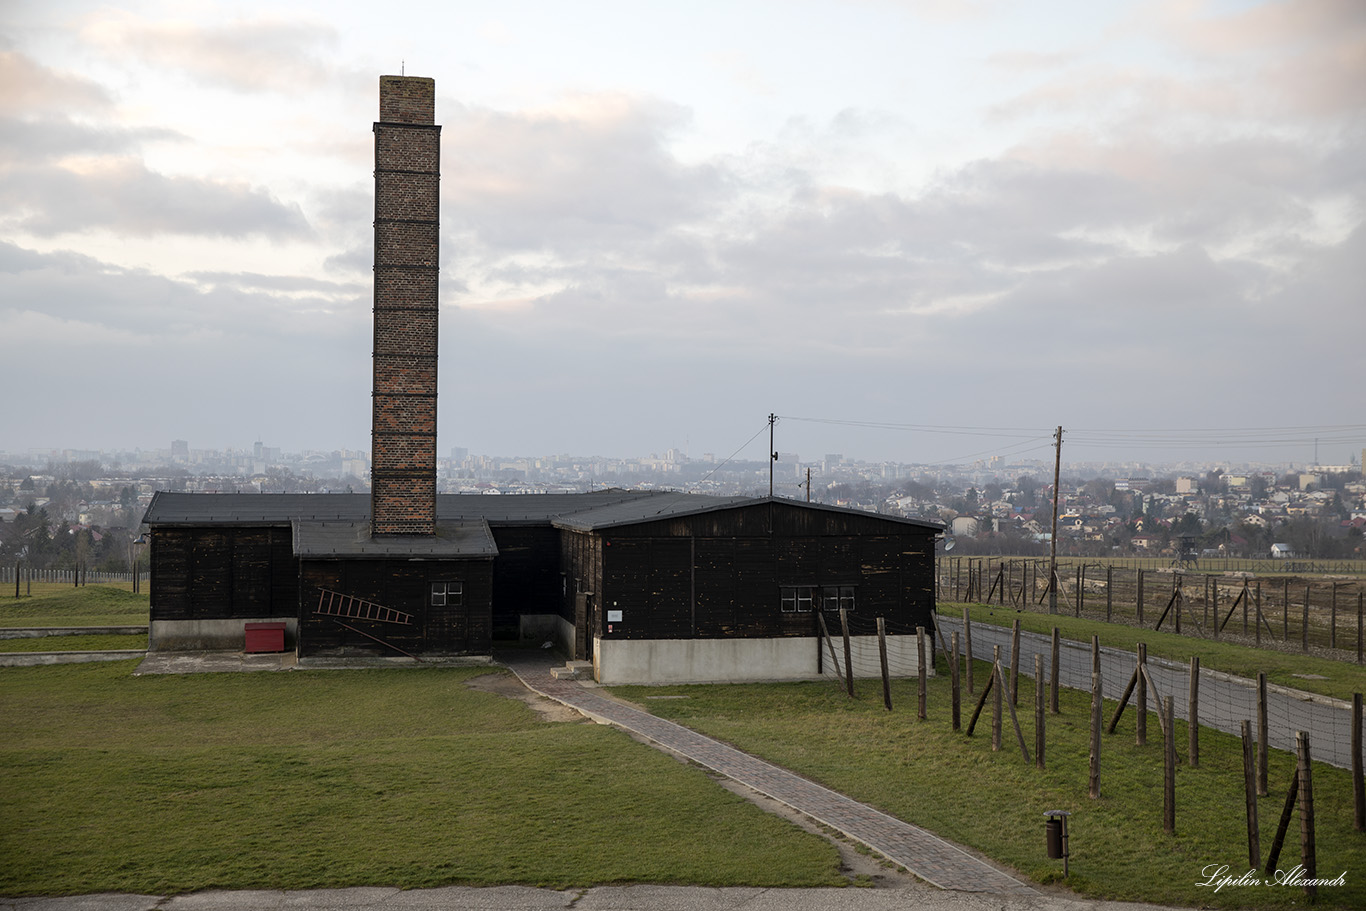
1286 612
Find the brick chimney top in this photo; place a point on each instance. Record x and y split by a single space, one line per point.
407 99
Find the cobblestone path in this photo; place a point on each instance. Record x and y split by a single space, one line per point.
923 853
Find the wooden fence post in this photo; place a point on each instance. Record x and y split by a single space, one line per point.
1254 837
1015 663
1257 627
996 699
1285 611
1358 784
1140 597
1038 711
882 656
1304 630
1283 826
1193 715
1076 601
1109 590
953 680
848 653
1308 852
1094 788
1214 604
1262 746
1168 767
967 648
1333 618
1141 706
920 651
1053 674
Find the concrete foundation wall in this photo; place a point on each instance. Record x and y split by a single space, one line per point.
620 661
217 635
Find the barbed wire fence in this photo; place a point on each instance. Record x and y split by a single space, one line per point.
1288 612
1279 718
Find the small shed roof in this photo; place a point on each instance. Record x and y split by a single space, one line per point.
322 540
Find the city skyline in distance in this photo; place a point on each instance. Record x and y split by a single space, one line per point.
1111 451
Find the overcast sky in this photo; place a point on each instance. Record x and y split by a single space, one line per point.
880 219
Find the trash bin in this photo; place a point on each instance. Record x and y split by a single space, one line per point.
1053 831
265 637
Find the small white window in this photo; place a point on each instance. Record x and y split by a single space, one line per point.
448 594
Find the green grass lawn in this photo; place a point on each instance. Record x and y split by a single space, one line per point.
926 774
169 784
65 605
73 643
1340 678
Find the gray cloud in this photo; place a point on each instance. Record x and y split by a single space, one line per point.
571 183
219 366
41 140
28 87
124 195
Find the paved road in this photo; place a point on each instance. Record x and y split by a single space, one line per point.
600 898
1225 701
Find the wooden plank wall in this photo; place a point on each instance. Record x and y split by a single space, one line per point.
223 573
720 574
405 586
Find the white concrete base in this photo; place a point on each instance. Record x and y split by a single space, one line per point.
659 661
206 635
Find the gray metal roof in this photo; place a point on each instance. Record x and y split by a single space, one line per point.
323 539
675 505
579 511
663 505
168 508
171 508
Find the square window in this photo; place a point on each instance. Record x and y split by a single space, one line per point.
448 594
834 597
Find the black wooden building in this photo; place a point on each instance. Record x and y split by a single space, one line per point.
651 586
648 585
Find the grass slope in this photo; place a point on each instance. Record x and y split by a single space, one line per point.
926 774
73 643
170 784
65 605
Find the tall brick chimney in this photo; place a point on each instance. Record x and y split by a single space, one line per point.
403 428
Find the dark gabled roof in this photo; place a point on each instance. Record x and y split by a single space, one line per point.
677 505
533 508
661 506
577 511
322 540
169 508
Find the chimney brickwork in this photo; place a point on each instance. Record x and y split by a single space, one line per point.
407 218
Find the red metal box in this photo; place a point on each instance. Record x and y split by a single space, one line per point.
265 637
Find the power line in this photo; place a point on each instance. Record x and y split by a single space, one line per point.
728 458
1295 435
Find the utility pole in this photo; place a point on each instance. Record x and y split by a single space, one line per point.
772 453
1053 539
808 485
